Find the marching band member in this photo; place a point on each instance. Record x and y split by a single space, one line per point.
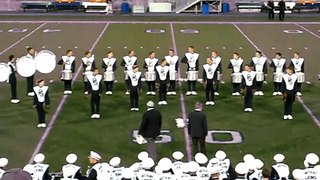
128 62
163 77
236 65
40 170
279 65
259 64
13 79
311 172
280 169
173 61
3 164
177 164
116 171
40 99
95 81
289 90
94 170
248 85
192 60
209 72
149 64
68 62
70 170
216 59
134 78
298 64
202 172
88 64
109 65
30 80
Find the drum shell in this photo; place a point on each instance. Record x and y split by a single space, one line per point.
150 76
173 76
109 76
192 75
26 66
66 75
4 72
301 77
236 77
45 61
259 76
277 77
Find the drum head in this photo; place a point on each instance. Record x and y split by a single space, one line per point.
26 66
4 72
45 61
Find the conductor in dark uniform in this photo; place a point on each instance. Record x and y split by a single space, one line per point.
150 127
198 129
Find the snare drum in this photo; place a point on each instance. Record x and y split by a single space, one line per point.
301 77
277 77
260 76
150 76
66 75
173 76
86 74
109 76
236 77
192 75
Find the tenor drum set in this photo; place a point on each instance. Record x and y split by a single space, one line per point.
277 77
236 77
192 75
301 77
260 76
150 76
109 76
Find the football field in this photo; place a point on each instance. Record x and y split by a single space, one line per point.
70 129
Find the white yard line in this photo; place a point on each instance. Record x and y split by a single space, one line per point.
314 34
23 38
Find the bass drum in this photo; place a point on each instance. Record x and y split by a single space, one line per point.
4 72
26 66
45 61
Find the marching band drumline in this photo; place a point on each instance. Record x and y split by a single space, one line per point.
165 75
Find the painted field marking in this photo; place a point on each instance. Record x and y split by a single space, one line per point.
314 34
61 103
161 22
21 39
182 100
306 108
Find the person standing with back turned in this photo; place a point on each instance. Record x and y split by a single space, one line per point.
198 129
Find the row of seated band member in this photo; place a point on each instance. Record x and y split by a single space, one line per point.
172 168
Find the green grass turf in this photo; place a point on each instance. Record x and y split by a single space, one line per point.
264 131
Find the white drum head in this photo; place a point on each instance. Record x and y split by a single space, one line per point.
4 72
26 66
45 61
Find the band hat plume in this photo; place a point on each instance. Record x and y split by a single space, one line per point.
279 158
143 155
177 155
71 158
3 162
150 104
94 155
115 161
39 158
